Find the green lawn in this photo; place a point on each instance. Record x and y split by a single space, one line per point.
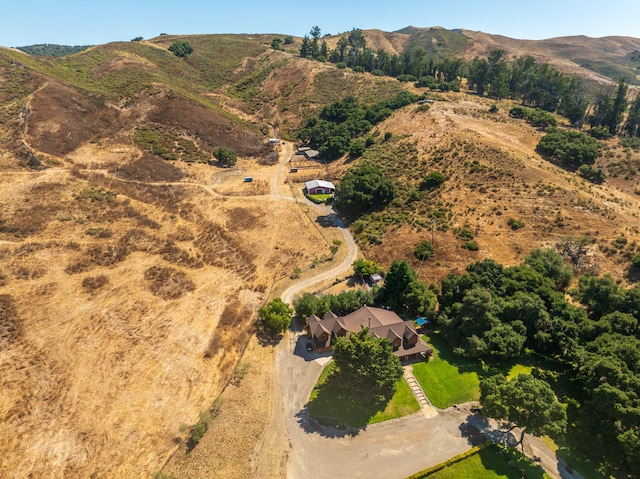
330 404
448 379
518 369
318 198
490 463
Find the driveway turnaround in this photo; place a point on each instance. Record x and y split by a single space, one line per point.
391 449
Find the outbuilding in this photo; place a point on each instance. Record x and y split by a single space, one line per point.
319 187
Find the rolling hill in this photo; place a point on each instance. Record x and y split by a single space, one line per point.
129 283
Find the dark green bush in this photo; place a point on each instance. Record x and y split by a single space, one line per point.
432 180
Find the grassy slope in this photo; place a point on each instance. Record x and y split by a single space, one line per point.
448 379
327 401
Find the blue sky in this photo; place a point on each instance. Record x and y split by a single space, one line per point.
70 22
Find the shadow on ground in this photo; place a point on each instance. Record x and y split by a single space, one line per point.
330 431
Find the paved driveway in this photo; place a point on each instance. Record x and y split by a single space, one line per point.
392 449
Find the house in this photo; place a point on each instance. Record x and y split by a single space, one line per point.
319 187
405 340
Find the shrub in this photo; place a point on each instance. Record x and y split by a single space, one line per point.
424 250
358 69
534 116
471 246
288 40
493 109
636 261
464 234
515 224
599 132
406 78
630 142
181 49
341 65
432 180
594 175
276 43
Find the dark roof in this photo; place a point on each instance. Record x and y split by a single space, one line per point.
381 323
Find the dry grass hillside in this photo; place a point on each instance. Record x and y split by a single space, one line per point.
494 173
129 283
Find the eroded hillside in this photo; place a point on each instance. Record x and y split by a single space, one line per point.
131 269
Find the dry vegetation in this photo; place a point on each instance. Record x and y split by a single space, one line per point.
129 284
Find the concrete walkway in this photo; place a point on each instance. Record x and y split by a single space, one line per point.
425 406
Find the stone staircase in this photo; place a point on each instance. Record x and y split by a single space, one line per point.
425 406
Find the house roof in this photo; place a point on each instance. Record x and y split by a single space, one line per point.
319 184
381 323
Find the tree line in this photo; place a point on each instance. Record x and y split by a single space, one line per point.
538 85
492 313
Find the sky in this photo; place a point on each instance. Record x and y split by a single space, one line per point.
71 22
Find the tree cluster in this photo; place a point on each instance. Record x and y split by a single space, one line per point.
569 147
340 304
413 65
226 157
403 291
363 188
340 125
493 311
275 317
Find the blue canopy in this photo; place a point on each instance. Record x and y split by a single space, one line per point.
422 321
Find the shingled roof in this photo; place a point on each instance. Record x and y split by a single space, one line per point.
381 323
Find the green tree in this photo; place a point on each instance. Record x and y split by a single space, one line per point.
357 147
362 188
365 267
632 125
526 402
592 174
181 49
550 264
366 366
419 299
276 43
614 116
225 156
288 40
306 305
396 284
275 317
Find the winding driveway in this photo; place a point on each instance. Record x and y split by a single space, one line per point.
392 449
